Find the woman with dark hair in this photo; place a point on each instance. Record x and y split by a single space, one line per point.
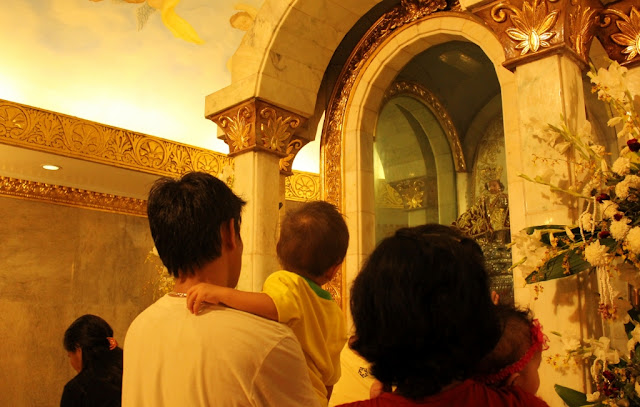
424 318
95 355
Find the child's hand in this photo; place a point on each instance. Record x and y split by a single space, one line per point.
203 292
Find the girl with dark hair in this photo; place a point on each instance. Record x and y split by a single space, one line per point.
95 355
514 361
424 319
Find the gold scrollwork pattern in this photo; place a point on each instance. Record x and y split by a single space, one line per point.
42 130
292 150
75 197
628 26
407 12
439 111
302 187
582 25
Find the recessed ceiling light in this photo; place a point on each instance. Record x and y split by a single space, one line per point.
51 167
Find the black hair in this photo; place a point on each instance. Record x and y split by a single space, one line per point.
515 341
185 218
90 333
422 310
313 238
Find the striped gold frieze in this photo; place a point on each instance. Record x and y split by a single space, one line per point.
43 130
57 194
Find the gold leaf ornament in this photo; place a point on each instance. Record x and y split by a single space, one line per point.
238 128
531 25
629 35
275 132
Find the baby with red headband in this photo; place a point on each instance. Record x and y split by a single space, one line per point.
517 355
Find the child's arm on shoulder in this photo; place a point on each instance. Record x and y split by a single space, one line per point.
256 303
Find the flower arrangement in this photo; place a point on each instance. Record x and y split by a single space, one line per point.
606 237
616 376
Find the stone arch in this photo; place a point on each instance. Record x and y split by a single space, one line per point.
441 150
287 66
352 134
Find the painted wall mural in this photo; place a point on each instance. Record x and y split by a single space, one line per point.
133 66
176 24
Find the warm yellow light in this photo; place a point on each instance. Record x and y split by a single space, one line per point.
50 167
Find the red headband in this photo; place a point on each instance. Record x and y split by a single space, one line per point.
538 344
112 342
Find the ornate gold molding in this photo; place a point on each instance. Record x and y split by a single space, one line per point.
532 29
43 130
302 187
256 125
37 191
439 111
407 12
417 193
386 196
619 32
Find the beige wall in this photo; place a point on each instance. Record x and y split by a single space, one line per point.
58 263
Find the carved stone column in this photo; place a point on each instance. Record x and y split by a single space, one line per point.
263 141
546 43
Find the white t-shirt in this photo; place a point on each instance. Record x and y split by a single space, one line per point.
221 357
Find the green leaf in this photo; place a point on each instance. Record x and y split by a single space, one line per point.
553 269
572 398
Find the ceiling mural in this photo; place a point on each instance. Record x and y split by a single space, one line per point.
142 65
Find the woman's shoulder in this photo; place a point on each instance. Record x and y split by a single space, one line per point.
507 396
86 389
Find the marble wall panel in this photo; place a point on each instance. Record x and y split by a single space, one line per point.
59 263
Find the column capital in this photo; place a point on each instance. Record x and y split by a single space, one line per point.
257 125
619 32
534 29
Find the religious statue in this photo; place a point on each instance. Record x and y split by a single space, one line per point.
488 218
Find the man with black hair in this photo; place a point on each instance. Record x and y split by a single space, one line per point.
222 357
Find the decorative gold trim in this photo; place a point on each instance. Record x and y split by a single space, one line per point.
622 41
407 12
532 29
412 192
43 130
272 130
81 198
582 25
302 187
386 196
439 111
532 24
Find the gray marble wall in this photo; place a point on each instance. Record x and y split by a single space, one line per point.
56 264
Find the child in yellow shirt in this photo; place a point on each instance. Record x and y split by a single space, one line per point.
312 246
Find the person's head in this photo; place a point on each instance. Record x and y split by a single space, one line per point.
517 355
422 310
313 240
494 186
91 346
189 218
